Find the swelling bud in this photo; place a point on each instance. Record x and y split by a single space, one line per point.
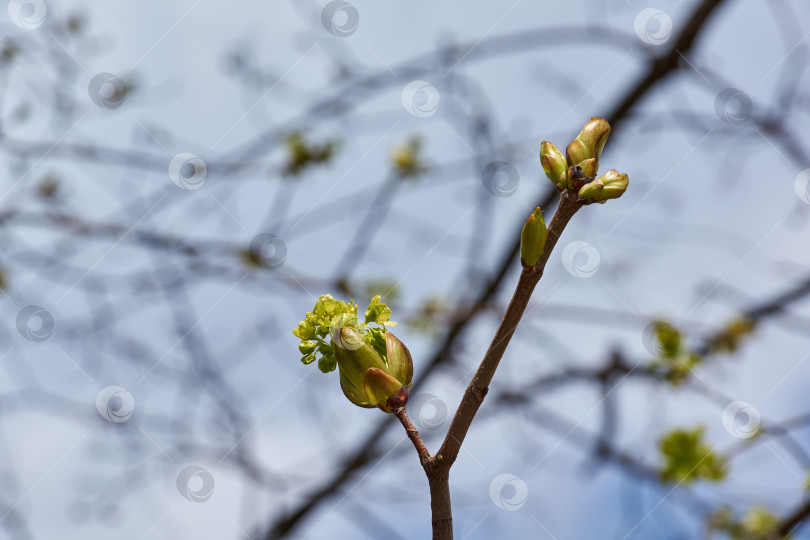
369 379
554 163
532 239
610 185
589 143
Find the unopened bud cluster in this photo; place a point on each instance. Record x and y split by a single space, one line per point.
576 170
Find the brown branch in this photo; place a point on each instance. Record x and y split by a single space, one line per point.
440 509
368 449
478 387
413 434
792 521
437 467
667 63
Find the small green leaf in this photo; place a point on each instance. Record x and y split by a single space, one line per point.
378 312
308 359
376 338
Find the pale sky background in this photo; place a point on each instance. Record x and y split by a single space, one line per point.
706 204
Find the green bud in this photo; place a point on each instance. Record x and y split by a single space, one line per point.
615 184
589 167
307 347
532 239
610 185
384 391
589 143
553 162
400 364
305 330
354 357
576 178
365 377
592 191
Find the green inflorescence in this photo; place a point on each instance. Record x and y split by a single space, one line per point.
330 315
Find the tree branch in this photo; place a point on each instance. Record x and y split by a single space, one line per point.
478 387
413 434
792 521
437 467
368 449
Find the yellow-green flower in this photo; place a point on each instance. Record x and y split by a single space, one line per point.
375 368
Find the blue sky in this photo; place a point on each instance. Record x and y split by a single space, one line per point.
710 223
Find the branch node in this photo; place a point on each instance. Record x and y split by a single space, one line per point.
479 393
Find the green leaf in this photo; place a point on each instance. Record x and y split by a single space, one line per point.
308 359
378 312
376 338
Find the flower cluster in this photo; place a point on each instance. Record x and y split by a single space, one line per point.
375 368
576 170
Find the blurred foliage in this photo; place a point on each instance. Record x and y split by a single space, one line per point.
301 153
674 359
9 52
368 288
430 317
728 340
759 523
390 287
687 458
74 24
252 258
407 160
3 280
48 187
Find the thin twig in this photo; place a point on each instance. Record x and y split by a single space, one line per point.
437 467
413 434
478 387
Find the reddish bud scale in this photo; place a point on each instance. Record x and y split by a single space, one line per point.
397 400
